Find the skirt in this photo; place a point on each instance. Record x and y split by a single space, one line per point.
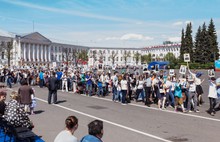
199 90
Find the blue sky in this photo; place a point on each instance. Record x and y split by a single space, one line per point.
108 23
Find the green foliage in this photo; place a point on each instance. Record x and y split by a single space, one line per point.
146 58
137 56
126 55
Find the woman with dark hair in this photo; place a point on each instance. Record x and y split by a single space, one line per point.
124 89
67 135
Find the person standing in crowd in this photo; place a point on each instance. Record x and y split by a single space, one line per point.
107 80
9 79
89 84
25 93
41 77
178 96
212 96
67 135
140 87
59 78
96 132
192 101
170 96
64 82
198 82
115 84
147 88
155 88
3 95
124 89
52 87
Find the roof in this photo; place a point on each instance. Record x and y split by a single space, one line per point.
35 38
162 46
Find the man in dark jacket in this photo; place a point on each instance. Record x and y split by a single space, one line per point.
52 87
24 93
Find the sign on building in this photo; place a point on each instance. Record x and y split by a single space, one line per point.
186 57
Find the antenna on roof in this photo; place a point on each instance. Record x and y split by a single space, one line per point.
33 25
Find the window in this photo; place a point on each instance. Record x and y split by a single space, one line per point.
52 57
117 59
103 58
109 58
121 59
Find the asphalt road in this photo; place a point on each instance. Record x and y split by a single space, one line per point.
131 123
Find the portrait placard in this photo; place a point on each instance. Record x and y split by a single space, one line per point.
182 69
211 73
186 57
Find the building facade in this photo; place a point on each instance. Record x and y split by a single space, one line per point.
36 50
159 52
114 56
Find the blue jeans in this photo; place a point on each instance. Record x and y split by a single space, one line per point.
118 96
114 92
100 91
9 82
170 97
123 92
41 83
89 89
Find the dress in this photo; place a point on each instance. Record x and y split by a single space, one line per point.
16 115
65 136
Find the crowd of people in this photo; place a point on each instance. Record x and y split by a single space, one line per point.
181 92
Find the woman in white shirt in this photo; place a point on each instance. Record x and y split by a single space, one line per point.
140 86
67 134
124 89
212 96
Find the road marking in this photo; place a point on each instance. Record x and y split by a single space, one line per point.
109 122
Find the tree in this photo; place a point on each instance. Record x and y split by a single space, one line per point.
188 41
66 56
126 55
7 47
137 57
170 57
83 55
213 44
182 47
101 56
113 56
75 56
205 52
197 46
146 58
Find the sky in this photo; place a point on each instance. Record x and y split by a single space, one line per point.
108 23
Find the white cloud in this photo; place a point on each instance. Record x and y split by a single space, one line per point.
179 23
111 38
135 37
174 39
71 12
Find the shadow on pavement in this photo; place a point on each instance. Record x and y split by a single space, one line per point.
61 101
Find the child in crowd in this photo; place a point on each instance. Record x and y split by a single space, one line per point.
33 102
212 96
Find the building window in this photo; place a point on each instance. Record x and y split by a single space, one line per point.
52 57
121 59
103 58
109 58
117 59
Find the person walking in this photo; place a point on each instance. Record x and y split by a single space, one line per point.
212 96
52 87
25 93
67 135
124 89
41 77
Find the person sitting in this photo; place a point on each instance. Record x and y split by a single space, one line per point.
3 95
67 134
95 132
15 114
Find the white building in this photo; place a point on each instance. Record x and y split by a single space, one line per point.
107 55
36 50
159 52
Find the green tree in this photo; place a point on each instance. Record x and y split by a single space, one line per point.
197 46
136 57
7 47
205 52
83 55
213 44
126 55
188 41
182 47
146 58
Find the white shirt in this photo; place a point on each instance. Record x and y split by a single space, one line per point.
65 136
140 84
124 85
212 90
